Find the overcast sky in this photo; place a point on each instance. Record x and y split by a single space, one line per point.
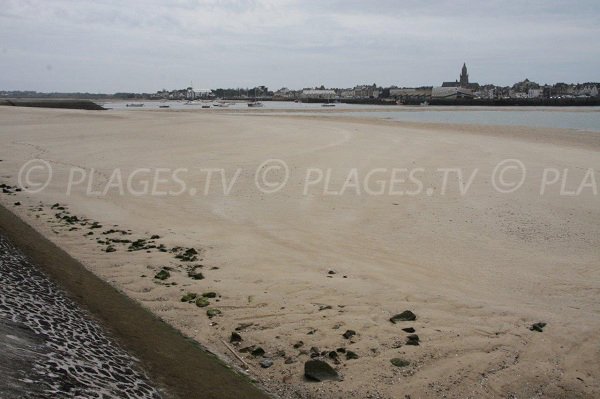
126 45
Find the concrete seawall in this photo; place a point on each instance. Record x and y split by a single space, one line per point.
172 361
52 103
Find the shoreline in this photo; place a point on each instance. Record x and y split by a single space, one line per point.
180 366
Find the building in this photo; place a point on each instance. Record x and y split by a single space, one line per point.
193 94
419 93
463 80
535 93
318 94
464 76
450 93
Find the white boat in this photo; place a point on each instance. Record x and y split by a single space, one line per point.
256 104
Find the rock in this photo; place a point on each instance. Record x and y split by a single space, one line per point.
412 339
209 294
298 344
196 275
235 338
399 362
408 330
189 297
162 275
258 351
202 302
247 349
324 307
331 272
349 334
280 353
155 237
110 248
243 326
539 327
266 363
318 370
315 350
213 312
351 355
289 360
332 355
17 203
341 350
407 315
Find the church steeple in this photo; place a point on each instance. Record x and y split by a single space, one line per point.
464 76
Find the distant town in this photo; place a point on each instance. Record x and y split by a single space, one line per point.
458 91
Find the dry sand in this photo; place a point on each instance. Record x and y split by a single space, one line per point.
477 269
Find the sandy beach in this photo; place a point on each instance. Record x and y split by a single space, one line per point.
295 269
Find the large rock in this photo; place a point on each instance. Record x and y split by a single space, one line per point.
318 370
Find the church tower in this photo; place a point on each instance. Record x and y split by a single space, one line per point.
464 76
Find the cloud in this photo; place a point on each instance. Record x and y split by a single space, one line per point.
147 45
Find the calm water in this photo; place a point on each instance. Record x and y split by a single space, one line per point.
580 118
538 118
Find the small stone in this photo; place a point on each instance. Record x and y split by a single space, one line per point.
289 360
408 330
247 349
341 350
243 326
412 339
539 327
162 275
324 307
17 203
189 297
298 344
155 237
258 351
235 338
202 302
266 363
351 355
110 248
399 362
213 312
349 334
318 370
407 315
331 272
209 294
196 275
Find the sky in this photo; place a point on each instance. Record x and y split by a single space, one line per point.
143 46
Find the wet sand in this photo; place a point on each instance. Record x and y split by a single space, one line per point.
477 269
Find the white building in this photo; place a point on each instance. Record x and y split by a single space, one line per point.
450 93
318 94
193 94
535 93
